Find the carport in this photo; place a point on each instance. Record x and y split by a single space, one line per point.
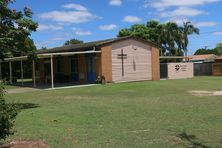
50 56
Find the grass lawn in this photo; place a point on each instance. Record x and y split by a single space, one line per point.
141 114
9 86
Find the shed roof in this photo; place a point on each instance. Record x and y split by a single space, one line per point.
219 58
90 45
202 57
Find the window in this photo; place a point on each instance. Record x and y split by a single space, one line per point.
59 65
74 65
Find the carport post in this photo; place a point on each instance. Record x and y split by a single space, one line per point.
10 71
22 71
52 78
33 72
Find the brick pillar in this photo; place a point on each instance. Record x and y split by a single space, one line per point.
106 63
98 65
155 64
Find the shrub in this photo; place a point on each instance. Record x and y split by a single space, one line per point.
7 116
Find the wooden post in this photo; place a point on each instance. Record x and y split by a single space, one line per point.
33 72
22 71
0 70
10 71
52 78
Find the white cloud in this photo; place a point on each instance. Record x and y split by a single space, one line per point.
163 4
217 33
80 14
181 12
196 24
177 9
43 27
132 19
179 21
81 32
205 24
107 27
58 39
115 2
46 43
76 7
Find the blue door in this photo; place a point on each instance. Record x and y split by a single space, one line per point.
91 68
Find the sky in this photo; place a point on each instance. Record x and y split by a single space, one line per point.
90 20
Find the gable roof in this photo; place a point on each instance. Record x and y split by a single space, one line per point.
202 57
90 45
219 58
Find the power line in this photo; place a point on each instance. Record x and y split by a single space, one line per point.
211 32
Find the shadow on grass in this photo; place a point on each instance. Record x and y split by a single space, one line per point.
191 140
22 106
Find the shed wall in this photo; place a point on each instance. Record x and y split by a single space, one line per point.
137 63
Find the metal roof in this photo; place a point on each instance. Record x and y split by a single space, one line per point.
89 45
82 48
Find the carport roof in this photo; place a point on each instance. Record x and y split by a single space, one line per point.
90 45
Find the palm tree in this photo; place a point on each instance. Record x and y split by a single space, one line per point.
169 38
186 30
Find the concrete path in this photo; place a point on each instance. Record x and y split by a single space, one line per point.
31 89
21 90
206 93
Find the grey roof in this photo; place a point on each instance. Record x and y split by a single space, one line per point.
87 46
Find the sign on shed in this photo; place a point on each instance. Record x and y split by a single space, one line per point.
180 70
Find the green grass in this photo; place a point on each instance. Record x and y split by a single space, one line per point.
9 86
141 114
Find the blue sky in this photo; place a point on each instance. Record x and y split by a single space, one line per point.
90 20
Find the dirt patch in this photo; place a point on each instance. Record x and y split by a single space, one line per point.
26 144
174 140
206 93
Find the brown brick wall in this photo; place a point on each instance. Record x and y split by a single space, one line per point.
155 64
66 63
82 68
106 62
98 65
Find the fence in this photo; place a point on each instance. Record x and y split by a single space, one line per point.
163 71
176 70
180 70
203 69
217 69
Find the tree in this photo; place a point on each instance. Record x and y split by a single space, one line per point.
166 35
150 31
8 113
217 50
203 51
15 29
154 32
186 30
169 39
72 41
